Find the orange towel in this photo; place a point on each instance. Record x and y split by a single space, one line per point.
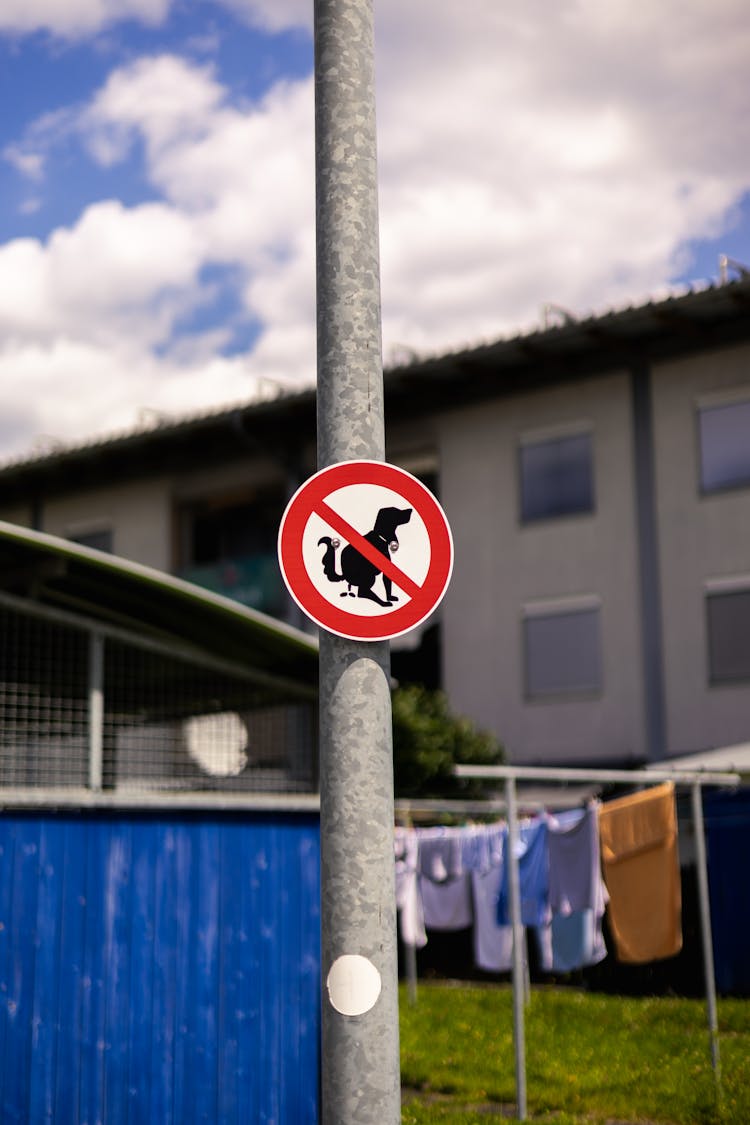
641 868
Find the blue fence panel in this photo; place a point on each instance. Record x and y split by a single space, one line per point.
727 817
160 970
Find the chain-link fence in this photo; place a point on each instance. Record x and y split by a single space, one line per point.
83 706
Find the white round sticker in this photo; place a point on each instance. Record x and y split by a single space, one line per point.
353 984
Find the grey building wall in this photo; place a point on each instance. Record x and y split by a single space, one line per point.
703 540
16 513
138 513
504 569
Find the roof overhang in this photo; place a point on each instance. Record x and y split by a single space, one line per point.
699 320
114 592
724 759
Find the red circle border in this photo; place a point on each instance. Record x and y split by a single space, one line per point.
312 602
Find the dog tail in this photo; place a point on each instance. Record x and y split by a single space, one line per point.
329 559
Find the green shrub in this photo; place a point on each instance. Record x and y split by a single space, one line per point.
428 740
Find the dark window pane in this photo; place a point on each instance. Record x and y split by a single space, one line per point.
563 653
230 547
229 531
724 446
556 478
100 540
729 636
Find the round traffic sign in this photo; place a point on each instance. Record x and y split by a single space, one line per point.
365 550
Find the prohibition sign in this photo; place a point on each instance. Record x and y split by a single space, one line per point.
336 547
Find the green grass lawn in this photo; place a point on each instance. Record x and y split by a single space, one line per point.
590 1058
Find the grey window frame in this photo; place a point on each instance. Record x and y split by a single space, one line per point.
725 595
558 612
527 516
705 409
98 539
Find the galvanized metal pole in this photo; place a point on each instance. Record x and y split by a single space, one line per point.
360 1047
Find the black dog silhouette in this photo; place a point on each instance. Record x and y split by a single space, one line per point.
356 570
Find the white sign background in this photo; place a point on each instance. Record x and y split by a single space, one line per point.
359 505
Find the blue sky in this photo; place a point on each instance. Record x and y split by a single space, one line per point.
41 73
157 171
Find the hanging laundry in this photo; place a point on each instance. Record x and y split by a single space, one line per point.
533 875
642 873
408 899
481 846
532 851
577 941
577 893
483 854
453 878
575 877
444 885
493 943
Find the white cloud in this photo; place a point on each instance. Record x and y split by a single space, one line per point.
274 15
117 272
246 174
243 177
112 288
29 164
559 153
77 17
250 169
66 376
164 98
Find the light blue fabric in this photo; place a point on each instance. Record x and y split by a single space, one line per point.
576 890
577 941
483 847
533 875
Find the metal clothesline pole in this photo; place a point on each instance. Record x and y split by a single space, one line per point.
410 957
618 777
706 935
696 780
518 974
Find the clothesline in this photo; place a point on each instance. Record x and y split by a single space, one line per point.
457 877
408 809
616 777
647 777
451 878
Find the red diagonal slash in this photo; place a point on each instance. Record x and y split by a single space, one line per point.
372 554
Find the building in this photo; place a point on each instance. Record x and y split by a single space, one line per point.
597 479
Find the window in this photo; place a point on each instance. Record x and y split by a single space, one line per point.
556 477
228 545
728 623
562 652
100 539
724 437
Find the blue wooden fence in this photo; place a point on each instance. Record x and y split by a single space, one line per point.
159 970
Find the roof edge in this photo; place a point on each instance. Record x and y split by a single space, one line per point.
159 580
